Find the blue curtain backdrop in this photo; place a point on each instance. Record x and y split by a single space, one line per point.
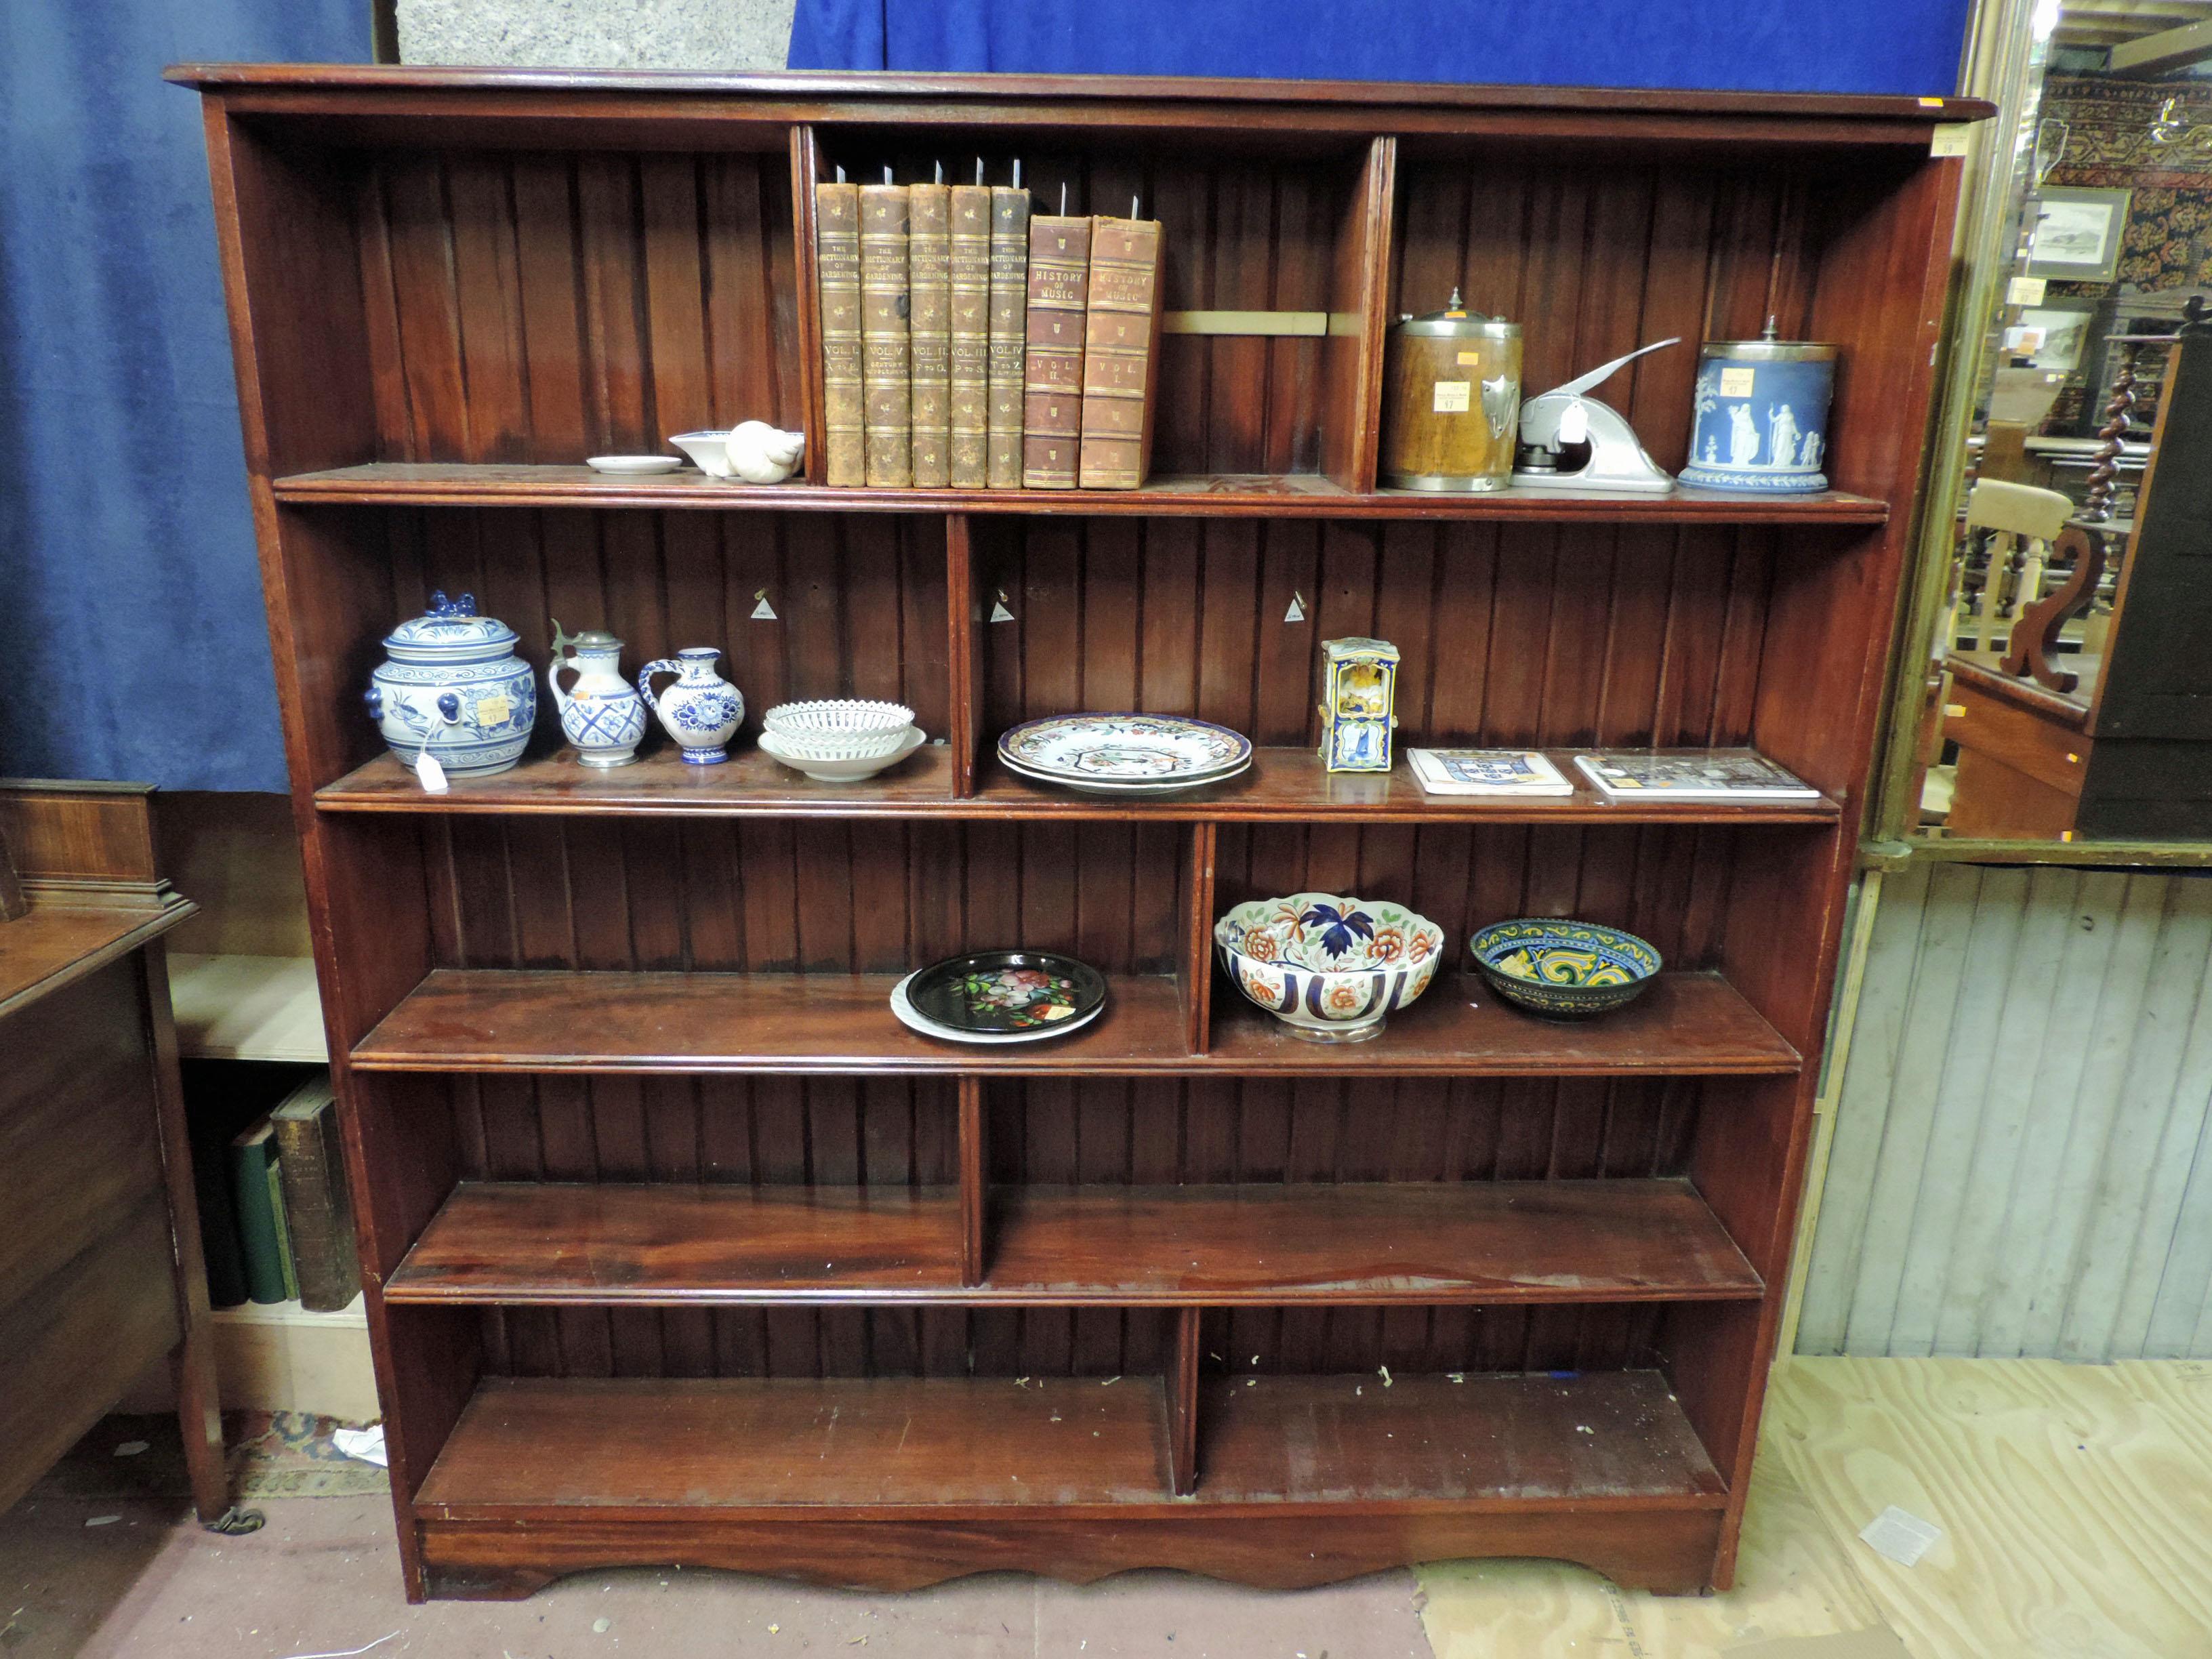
1876 46
131 613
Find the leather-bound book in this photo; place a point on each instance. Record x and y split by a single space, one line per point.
318 1212
1052 406
1010 292
837 262
883 307
971 337
1120 349
929 272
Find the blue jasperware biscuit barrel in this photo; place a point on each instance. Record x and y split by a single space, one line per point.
1762 416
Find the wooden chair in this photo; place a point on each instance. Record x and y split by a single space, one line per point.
2025 521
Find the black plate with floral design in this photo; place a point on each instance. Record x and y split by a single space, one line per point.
1006 990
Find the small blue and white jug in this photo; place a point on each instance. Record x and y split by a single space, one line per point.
452 682
599 713
701 710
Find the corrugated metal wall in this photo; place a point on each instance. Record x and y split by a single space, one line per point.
2019 1162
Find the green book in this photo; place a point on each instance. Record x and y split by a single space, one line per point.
257 1189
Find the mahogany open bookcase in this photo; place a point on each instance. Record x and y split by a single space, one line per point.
679 1248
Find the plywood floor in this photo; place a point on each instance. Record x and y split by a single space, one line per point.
2076 1503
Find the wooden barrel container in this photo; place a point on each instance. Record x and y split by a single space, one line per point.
1451 401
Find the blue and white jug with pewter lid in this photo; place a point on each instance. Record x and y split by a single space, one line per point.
600 714
452 682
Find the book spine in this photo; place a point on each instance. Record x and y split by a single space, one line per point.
837 261
929 274
317 1212
970 270
1052 405
1121 352
885 303
1009 264
259 1241
283 1224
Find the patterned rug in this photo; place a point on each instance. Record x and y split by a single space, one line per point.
272 1454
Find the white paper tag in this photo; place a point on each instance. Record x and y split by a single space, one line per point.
2026 290
1903 1537
1738 382
432 773
1454 397
1950 138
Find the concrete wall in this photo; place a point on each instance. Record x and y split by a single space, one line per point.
676 35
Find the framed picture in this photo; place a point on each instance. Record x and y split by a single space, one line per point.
2064 326
2078 234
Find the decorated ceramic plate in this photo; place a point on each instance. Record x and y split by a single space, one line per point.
1006 993
1108 752
902 1007
1170 788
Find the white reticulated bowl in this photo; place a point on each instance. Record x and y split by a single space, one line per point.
843 728
1330 968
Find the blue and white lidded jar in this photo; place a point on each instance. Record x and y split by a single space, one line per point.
1762 416
451 682
701 711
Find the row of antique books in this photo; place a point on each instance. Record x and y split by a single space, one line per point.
969 345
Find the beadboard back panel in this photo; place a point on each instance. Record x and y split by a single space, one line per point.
1508 634
548 307
1719 249
785 895
1248 230
1668 885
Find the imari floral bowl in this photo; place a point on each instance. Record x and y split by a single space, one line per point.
1329 968
1567 969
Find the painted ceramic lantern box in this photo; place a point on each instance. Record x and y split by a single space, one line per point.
1762 416
452 682
1359 684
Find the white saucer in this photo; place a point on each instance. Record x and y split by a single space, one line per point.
844 771
632 465
914 1020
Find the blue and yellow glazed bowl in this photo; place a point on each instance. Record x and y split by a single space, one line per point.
1566 970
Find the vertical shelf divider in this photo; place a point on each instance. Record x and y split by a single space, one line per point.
1183 1405
974 1181
1197 975
1359 290
805 171
963 608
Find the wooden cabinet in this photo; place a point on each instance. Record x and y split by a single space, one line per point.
100 1274
679 1249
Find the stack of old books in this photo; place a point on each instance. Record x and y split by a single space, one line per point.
969 345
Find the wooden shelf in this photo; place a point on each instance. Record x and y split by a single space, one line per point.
749 781
483 1019
247 1008
1687 1024
954 1445
1299 495
1282 783
1599 1437
815 1443
1429 1241
674 1245
670 1243
1292 783
505 1020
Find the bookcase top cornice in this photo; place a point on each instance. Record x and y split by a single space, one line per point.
815 94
